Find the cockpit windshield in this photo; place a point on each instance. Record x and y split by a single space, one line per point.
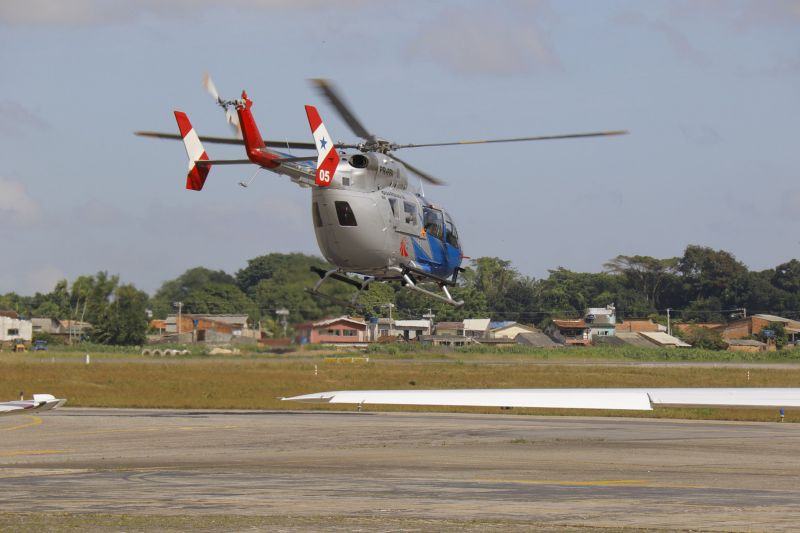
434 223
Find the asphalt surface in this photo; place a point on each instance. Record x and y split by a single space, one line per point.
441 468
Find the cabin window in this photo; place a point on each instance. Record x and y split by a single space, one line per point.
345 214
410 211
434 225
315 214
452 234
393 205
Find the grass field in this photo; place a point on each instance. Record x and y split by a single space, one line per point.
414 351
258 383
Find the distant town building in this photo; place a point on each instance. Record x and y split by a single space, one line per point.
635 325
508 330
51 326
536 338
569 332
413 329
602 321
74 330
445 340
341 330
476 328
660 338
14 328
205 328
380 327
454 329
753 325
747 345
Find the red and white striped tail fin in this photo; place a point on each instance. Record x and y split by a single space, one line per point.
327 159
196 177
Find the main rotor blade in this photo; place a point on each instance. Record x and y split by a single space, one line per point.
327 89
228 140
424 175
517 139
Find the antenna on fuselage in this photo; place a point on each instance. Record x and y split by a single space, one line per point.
248 182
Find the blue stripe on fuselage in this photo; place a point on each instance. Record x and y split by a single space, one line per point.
309 164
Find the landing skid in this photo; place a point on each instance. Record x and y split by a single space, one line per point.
407 281
405 275
339 276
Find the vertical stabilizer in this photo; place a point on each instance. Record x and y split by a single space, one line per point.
327 158
253 143
196 177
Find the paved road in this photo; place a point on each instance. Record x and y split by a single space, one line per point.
445 469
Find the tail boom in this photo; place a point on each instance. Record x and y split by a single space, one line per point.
254 144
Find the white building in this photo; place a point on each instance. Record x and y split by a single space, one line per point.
602 321
15 328
412 329
408 329
477 328
509 330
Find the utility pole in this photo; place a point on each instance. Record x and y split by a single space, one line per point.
669 330
283 313
179 305
430 316
390 305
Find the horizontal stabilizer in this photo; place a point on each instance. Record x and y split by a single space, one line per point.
229 140
40 402
209 162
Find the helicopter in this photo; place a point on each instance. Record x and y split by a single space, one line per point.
371 222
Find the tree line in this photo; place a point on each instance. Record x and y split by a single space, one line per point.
703 285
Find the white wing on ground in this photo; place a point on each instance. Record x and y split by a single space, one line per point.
624 399
40 402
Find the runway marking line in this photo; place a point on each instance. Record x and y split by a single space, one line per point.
148 429
35 421
7 473
603 482
107 431
31 452
595 483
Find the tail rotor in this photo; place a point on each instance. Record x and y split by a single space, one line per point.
230 116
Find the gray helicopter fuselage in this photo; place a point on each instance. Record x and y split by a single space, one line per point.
369 221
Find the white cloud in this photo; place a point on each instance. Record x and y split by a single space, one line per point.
488 41
754 14
76 13
675 39
16 119
16 207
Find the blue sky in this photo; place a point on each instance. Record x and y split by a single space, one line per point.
709 90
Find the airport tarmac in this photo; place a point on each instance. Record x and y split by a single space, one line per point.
402 471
